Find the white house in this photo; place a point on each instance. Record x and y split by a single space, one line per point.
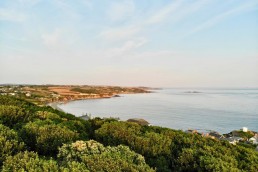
254 139
233 140
28 94
245 129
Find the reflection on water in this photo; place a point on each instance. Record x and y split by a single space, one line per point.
222 110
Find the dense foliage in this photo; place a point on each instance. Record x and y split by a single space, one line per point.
11 115
30 161
100 158
168 150
45 137
34 138
9 143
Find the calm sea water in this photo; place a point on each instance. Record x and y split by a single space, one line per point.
222 110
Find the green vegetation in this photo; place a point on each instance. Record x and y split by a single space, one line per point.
168 149
44 94
100 158
28 161
34 138
9 143
11 115
45 137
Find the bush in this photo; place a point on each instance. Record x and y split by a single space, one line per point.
152 143
45 137
32 108
11 115
170 150
9 144
29 161
99 158
80 126
74 166
47 115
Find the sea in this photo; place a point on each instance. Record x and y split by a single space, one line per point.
206 109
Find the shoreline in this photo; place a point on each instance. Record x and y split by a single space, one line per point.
54 104
233 137
46 94
91 98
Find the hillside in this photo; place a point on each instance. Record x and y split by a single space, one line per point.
44 94
39 138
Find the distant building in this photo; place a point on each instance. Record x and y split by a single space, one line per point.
86 117
254 139
245 129
28 94
233 140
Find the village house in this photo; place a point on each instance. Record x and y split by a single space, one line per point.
233 140
28 94
85 117
254 139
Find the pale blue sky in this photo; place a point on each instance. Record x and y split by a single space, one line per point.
188 43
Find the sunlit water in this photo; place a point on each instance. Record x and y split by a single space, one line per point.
222 110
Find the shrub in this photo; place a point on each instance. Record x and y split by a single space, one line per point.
45 137
47 115
29 161
79 126
153 145
11 115
74 166
9 144
99 158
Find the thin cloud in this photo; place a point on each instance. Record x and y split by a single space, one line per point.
174 12
127 48
52 39
221 17
87 3
121 11
120 33
28 3
67 9
188 10
12 15
162 14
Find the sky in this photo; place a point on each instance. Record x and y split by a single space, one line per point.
156 43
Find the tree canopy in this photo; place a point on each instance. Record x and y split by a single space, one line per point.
39 138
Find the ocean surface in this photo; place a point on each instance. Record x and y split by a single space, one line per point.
221 110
